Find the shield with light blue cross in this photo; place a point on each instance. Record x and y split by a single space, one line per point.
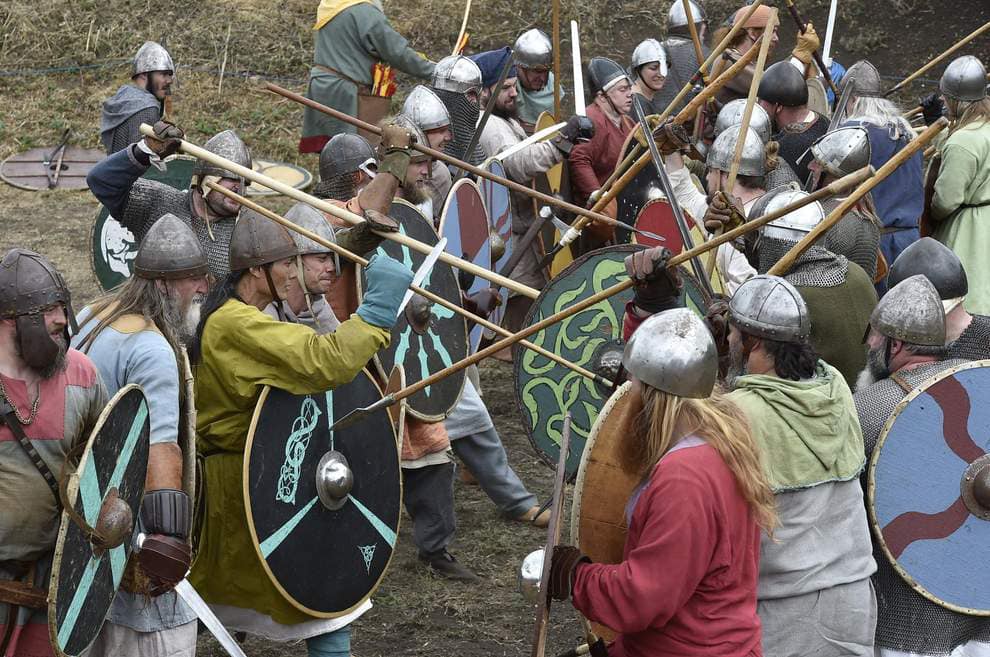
322 507
105 493
929 488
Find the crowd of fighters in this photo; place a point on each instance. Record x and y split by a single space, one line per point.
748 534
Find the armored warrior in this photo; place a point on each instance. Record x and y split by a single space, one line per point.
457 82
731 116
425 109
783 93
50 398
802 416
152 74
967 336
907 347
648 69
137 334
532 55
960 202
137 203
681 58
347 165
354 44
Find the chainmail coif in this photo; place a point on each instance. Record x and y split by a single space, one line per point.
855 236
464 116
974 342
817 267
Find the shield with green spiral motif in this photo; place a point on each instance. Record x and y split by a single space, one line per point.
592 338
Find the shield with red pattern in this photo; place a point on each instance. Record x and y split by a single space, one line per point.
929 488
658 217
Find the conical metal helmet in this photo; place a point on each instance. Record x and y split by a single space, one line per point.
865 79
795 224
603 74
257 240
783 84
936 262
843 151
649 51
151 57
170 249
425 109
674 351
770 307
308 217
457 74
417 133
732 115
676 17
911 311
533 50
965 79
345 153
723 149
228 145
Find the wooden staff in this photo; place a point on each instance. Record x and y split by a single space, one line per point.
350 255
921 71
784 264
803 27
460 35
698 52
556 61
343 214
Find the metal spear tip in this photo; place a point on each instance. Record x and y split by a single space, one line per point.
334 480
530 573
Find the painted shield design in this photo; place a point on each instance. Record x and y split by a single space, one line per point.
426 338
28 170
499 205
464 223
114 247
323 508
106 492
929 488
657 217
545 391
290 174
635 195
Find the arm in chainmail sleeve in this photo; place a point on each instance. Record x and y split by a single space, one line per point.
111 180
391 46
150 115
959 168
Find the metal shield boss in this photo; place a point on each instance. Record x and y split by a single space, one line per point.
592 338
323 508
498 203
105 492
929 488
427 337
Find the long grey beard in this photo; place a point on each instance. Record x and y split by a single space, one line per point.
875 370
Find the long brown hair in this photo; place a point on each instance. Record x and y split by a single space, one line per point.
721 423
136 296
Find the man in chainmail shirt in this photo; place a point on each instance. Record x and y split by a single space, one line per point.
152 74
907 622
457 82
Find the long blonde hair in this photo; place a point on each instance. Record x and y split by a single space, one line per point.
969 112
721 423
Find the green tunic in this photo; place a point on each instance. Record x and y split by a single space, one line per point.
530 104
244 349
961 208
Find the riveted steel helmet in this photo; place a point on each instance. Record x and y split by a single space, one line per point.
257 240
308 217
936 262
753 160
646 52
770 307
965 78
783 84
732 115
843 151
228 145
151 57
865 79
674 351
418 135
29 286
425 109
603 74
911 311
677 18
458 74
344 154
795 224
170 249
533 50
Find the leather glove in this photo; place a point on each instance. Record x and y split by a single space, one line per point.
807 44
395 149
165 561
671 137
361 238
167 139
722 214
562 564
657 286
578 129
388 279
932 108
717 319
482 302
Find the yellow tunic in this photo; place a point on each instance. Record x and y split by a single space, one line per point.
244 349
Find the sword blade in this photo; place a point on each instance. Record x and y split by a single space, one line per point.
209 619
532 139
422 273
579 107
829 33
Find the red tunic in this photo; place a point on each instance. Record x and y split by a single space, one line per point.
687 584
592 163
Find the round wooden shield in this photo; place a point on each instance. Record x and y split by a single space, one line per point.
30 170
397 412
498 202
290 174
84 577
657 217
635 195
924 507
434 342
325 562
113 246
556 180
591 338
465 224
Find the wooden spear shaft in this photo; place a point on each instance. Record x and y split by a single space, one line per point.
784 264
693 29
460 34
556 61
343 214
350 255
921 71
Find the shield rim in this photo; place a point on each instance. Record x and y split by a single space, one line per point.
396 382
871 489
72 493
261 165
255 543
498 314
565 256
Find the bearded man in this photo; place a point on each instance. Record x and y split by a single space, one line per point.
50 399
136 334
425 109
152 75
532 55
457 82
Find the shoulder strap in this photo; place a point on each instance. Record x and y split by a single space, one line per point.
8 418
901 381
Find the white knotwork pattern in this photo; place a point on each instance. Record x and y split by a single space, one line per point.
368 552
295 450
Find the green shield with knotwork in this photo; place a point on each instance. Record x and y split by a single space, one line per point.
592 338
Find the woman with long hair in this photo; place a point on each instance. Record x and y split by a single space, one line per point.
688 580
